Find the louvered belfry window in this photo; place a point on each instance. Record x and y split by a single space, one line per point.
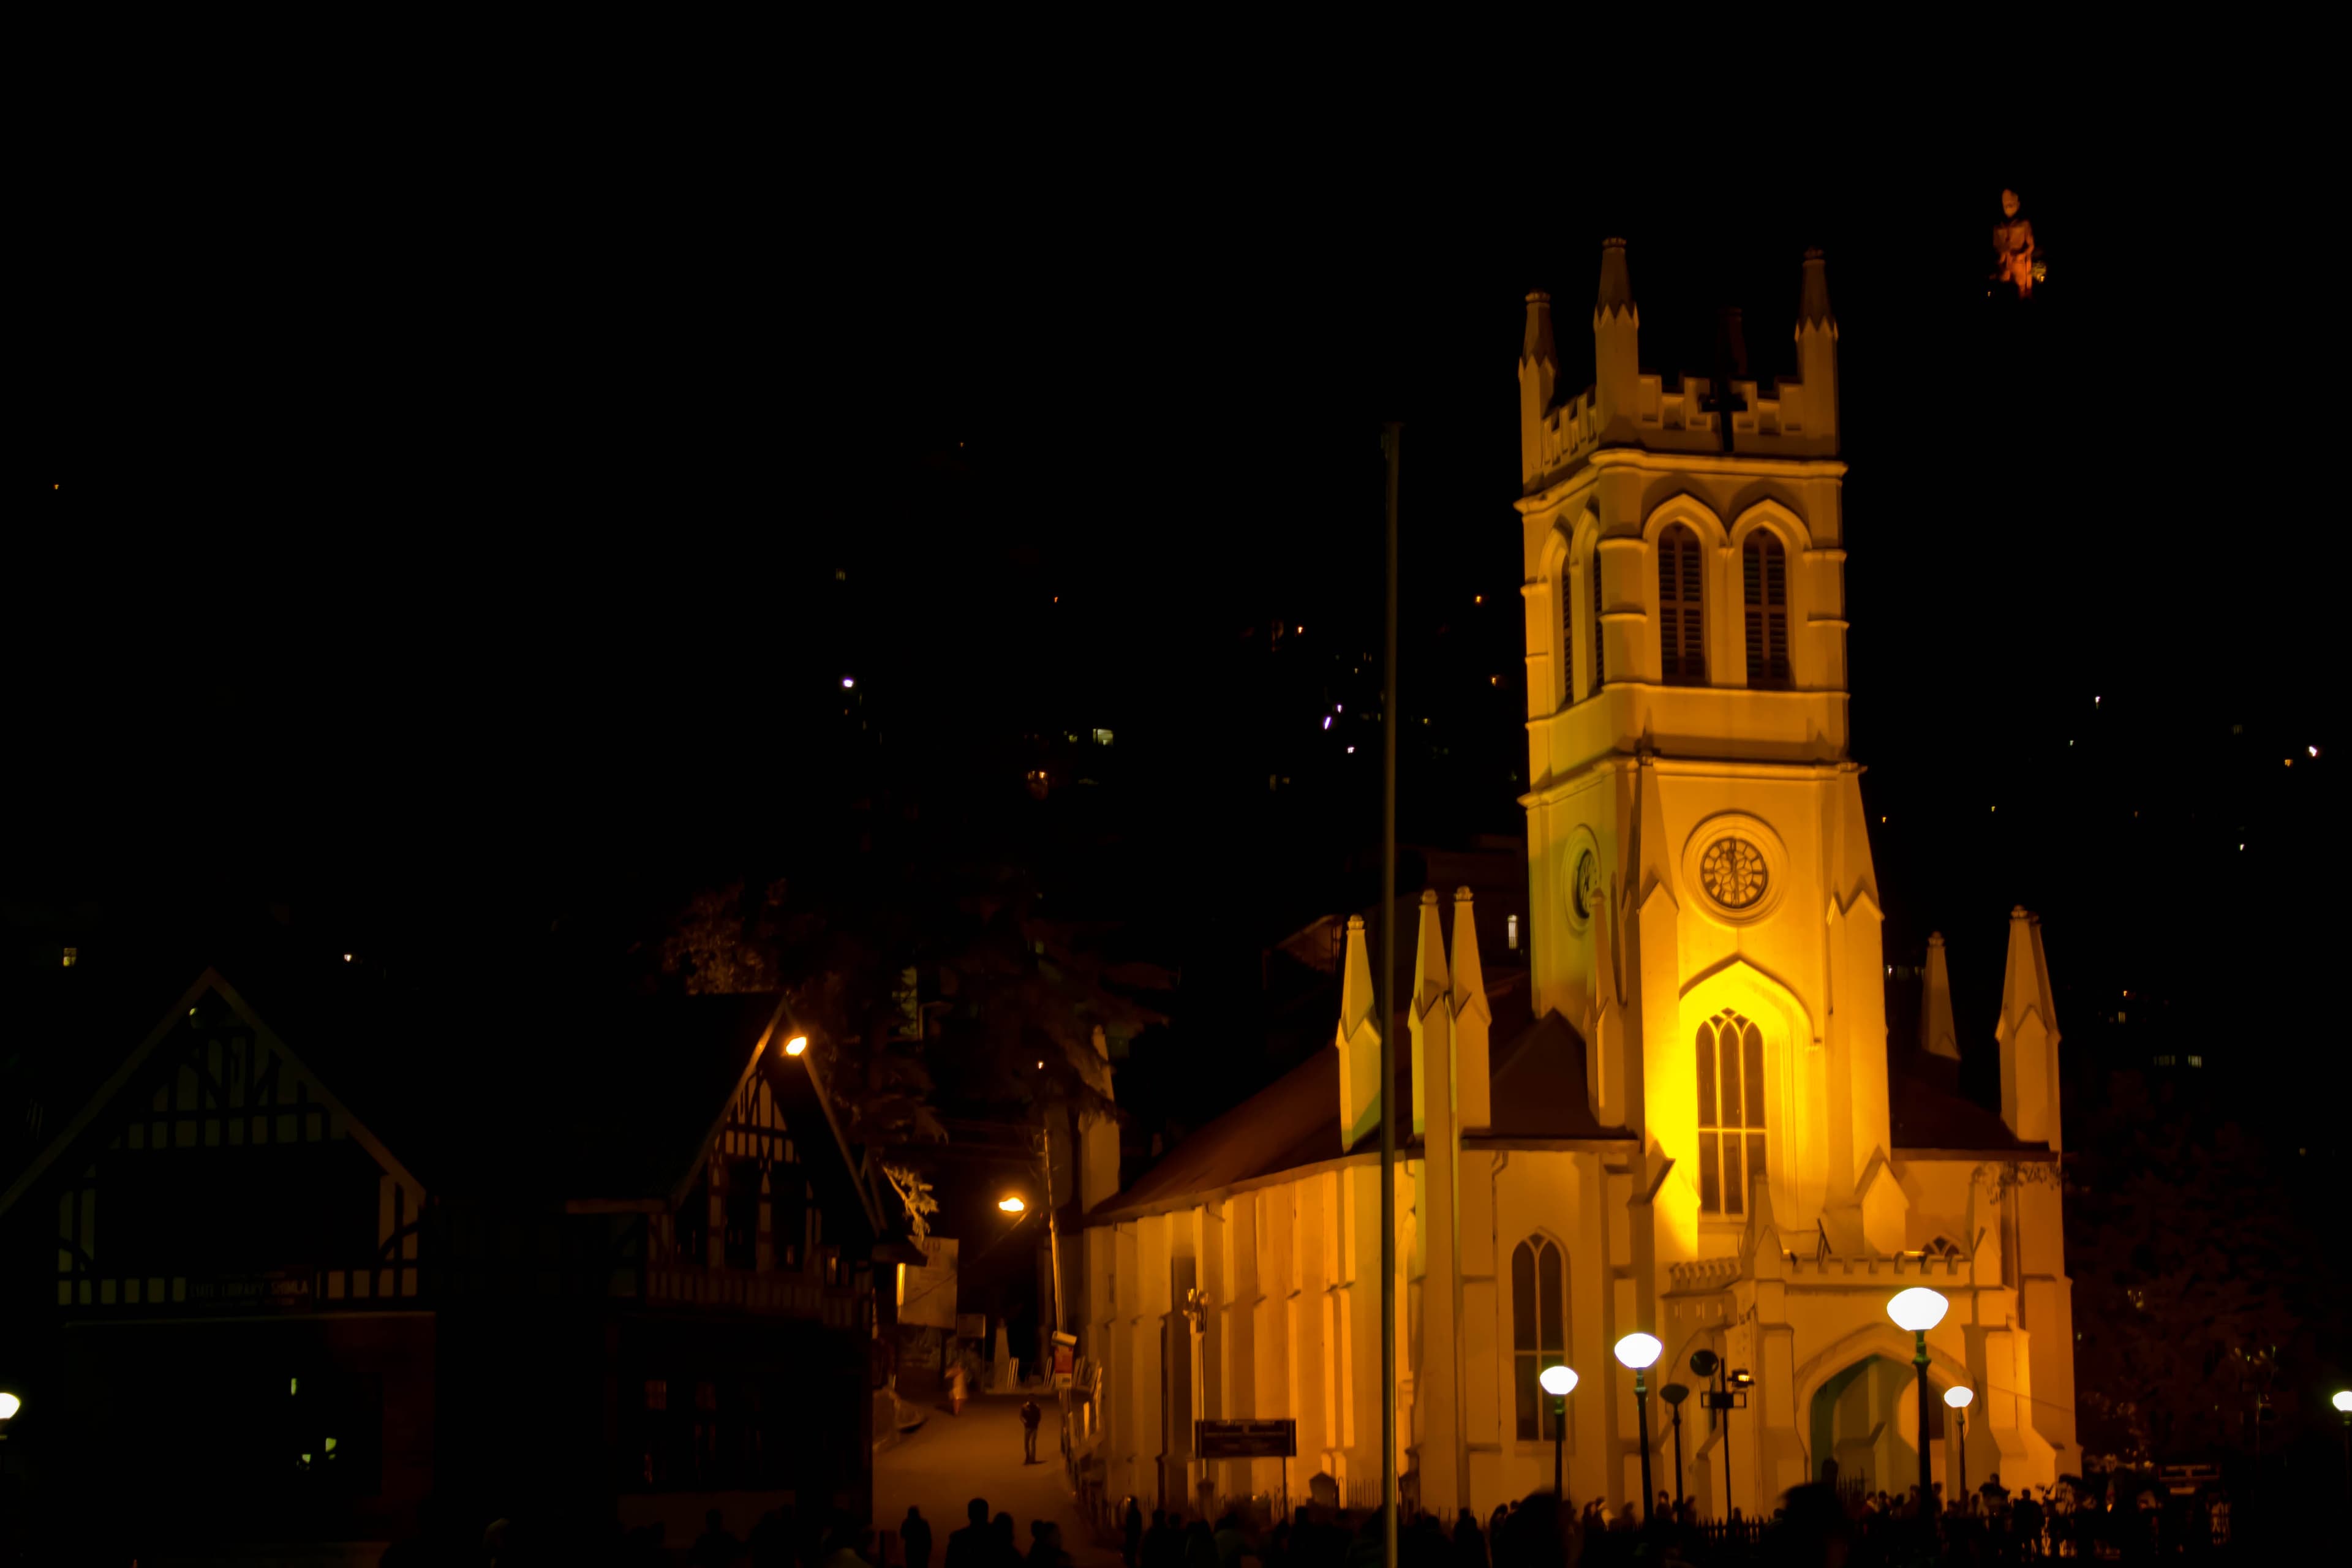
1764 571
1599 661
1567 631
1682 633
1730 1113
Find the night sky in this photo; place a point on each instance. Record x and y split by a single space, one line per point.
504 571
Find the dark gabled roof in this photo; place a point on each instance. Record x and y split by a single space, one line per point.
1928 1114
62 1032
1540 1088
1539 1091
493 1090
1292 1123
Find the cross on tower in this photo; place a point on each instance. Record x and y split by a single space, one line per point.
1730 364
1721 402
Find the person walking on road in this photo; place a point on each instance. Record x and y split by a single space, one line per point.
1030 1418
916 1535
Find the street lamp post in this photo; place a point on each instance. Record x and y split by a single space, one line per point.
1558 1382
1673 1394
1639 1353
1919 1309
1959 1396
2343 1403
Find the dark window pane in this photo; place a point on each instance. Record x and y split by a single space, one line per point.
1731 1193
1755 1161
1710 1190
1727 1053
1553 1311
1523 1382
1523 1297
1706 1074
1752 1040
1599 660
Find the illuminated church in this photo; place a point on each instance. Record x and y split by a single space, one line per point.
1679 1117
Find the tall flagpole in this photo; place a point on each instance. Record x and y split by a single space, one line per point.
1392 437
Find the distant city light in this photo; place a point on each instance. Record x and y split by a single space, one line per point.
1477 599
347 958
1327 721
848 681
1510 925
2313 749
1342 708
1102 737
1351 750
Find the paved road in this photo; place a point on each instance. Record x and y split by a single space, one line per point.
955 1458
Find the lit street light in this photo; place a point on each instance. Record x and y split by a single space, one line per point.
10 1404
1010 1206
1640 1352
1959 1397
1558 1381
2343 1403
797 1045
1919 1309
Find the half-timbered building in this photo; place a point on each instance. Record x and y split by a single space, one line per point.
314 1253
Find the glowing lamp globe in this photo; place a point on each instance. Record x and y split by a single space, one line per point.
797 1045
1959 1398
2342 1400
10 1404
1010 1206
1918 1309
1557 1381
1639 1352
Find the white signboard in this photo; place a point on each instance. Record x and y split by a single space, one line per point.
926 1296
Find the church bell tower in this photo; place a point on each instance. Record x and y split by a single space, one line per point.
1705 912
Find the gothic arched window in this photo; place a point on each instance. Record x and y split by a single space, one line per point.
1567 631
1599 661
1764 572
1539 1328
1730 1113
1682 633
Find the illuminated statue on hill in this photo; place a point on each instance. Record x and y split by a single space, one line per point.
2016 259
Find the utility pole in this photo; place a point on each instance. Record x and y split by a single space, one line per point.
1392 436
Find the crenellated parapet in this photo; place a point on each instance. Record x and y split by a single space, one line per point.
1626 408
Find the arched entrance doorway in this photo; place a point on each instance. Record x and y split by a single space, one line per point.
1865 1420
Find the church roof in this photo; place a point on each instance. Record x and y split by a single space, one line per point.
1930 1114
1540 1087
1538 1083
1292 1123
